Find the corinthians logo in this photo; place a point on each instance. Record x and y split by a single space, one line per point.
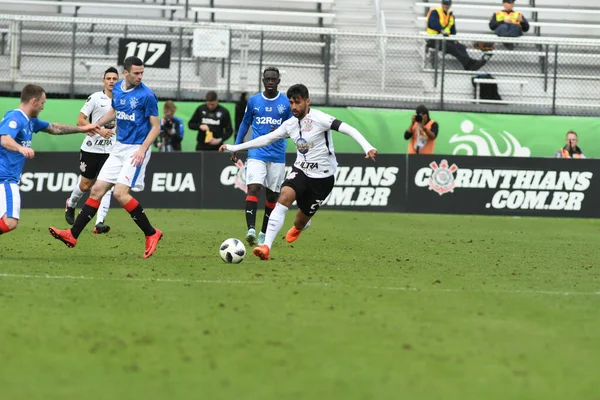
442 178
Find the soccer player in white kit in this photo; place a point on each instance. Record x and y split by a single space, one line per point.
313 174
135 108
94 150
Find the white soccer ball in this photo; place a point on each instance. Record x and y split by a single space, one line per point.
232 251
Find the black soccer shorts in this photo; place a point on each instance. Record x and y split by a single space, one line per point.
90 164
310 192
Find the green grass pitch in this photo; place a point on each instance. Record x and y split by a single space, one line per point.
362 306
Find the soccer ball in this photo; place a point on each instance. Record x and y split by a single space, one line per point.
232 251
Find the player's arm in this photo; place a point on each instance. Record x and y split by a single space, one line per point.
138 157
261 141
108 117
61 129
11 144
246 123
346 129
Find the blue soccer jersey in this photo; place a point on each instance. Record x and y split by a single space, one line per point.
133 107
265 115
21 128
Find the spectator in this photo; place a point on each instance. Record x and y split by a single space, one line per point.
440 21
212 122
171 129
240 108
509 23
571 150
422 132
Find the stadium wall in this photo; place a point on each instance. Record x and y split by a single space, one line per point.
395 183
460 133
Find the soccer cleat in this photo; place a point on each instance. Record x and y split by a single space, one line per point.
263 252
261 239
251 236
152 242
292 234
69 213
64 236
101 228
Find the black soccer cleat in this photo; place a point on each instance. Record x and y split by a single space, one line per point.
101 228
69 213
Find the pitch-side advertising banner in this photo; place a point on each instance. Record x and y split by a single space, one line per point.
395 183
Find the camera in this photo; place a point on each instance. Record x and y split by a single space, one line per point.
418 118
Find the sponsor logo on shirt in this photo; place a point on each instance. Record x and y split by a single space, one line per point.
124 116
268 121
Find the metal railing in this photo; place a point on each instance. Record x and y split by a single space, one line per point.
540 75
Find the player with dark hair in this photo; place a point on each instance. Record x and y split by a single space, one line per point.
16 131
265 166
313 174
135 108
94 150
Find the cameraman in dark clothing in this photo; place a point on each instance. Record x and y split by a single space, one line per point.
171 129
212 122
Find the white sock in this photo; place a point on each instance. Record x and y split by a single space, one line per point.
104 206
276 220
307 225
75 196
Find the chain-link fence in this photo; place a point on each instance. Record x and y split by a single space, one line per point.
529 74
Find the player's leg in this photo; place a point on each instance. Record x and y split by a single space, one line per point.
309 204
256 171
273 181
129 178
106 179
87 178
100 226
293 188
10 207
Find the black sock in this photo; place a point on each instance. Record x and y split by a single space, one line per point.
139 216
251 208
268 208
85 216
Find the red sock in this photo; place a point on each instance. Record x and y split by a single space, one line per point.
3 227
131 205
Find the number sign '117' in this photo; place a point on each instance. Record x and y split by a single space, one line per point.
154 54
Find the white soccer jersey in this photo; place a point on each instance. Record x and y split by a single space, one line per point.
96 106
314 144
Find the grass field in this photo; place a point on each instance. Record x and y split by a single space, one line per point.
362 306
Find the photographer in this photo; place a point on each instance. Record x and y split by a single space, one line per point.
171 129
421 133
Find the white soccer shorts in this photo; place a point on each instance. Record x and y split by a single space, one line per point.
10 200
119 169
267 174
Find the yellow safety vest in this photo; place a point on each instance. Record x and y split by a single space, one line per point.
446 21
502 16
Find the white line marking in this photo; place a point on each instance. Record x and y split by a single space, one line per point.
314 284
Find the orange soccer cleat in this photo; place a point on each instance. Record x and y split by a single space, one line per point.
292 234
64 236
263 252
152 242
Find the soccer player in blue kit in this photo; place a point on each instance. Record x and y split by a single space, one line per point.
16 131
135 108
265 112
